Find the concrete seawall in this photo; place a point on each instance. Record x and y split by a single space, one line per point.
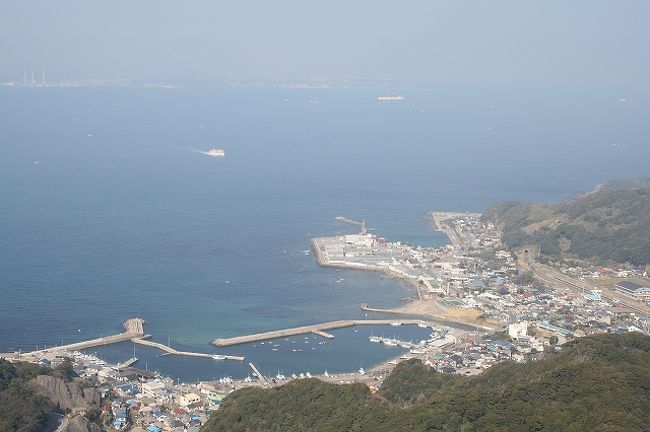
172 351
428 317
133 329
315 328
324 261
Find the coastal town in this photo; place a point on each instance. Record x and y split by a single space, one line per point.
481 303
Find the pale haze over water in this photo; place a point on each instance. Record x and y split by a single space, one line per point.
552 44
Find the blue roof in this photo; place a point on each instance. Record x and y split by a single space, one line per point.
129 388
630 286
503 344
552 327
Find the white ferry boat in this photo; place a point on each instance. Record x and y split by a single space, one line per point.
215 152
397 98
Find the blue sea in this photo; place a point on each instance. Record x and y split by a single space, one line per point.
108 211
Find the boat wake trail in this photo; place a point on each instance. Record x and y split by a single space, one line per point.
179 147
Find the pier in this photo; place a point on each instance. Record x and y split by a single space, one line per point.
172 351
323 334
257 373
133 331
133 328
127 363
361 225
315 328
319 252
438 219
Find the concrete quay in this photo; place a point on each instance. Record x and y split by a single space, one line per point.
172 351
321 256
323 334
315 328
438 217
257 373
133 327
134 332
443 320
323 260
361 225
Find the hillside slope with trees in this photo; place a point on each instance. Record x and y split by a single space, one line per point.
598 383
604 226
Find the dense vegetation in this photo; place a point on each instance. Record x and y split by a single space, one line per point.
20 409
598 383
608 225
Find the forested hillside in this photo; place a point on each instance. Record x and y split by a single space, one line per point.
598 383
21 410
608 225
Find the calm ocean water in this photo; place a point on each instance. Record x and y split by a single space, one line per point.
120 217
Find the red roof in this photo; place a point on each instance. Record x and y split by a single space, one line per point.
179 411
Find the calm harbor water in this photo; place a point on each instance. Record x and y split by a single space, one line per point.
107 211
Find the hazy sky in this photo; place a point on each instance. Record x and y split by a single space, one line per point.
550 43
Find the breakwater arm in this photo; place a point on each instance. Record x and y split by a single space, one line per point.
314 328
